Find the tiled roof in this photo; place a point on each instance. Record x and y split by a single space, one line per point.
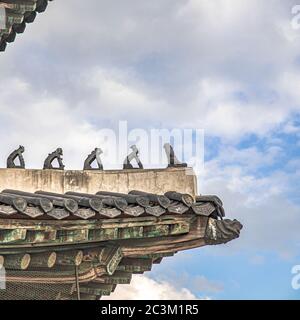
80 246
14 17
103 205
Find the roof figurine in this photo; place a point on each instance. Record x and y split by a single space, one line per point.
94 156
173 162
16 155
56 155
134 155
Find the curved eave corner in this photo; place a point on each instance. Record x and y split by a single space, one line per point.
14 15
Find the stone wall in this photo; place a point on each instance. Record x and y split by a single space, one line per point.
149 180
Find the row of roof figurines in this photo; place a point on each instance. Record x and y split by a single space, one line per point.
93 157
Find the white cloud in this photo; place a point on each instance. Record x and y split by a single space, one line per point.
144 288
271 221
225 67
42 123
196 283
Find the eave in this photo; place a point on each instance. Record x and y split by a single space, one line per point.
42 254
17 14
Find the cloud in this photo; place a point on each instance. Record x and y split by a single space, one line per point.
228 68
144 288
260 201
198 284
42 123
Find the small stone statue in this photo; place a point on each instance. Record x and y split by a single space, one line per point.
56 155
173 162
17 154
93 156
134 155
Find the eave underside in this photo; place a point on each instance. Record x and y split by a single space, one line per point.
89 270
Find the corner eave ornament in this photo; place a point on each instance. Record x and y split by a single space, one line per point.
14 15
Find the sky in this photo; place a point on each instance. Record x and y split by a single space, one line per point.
230 68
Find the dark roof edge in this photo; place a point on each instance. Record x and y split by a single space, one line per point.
16 11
